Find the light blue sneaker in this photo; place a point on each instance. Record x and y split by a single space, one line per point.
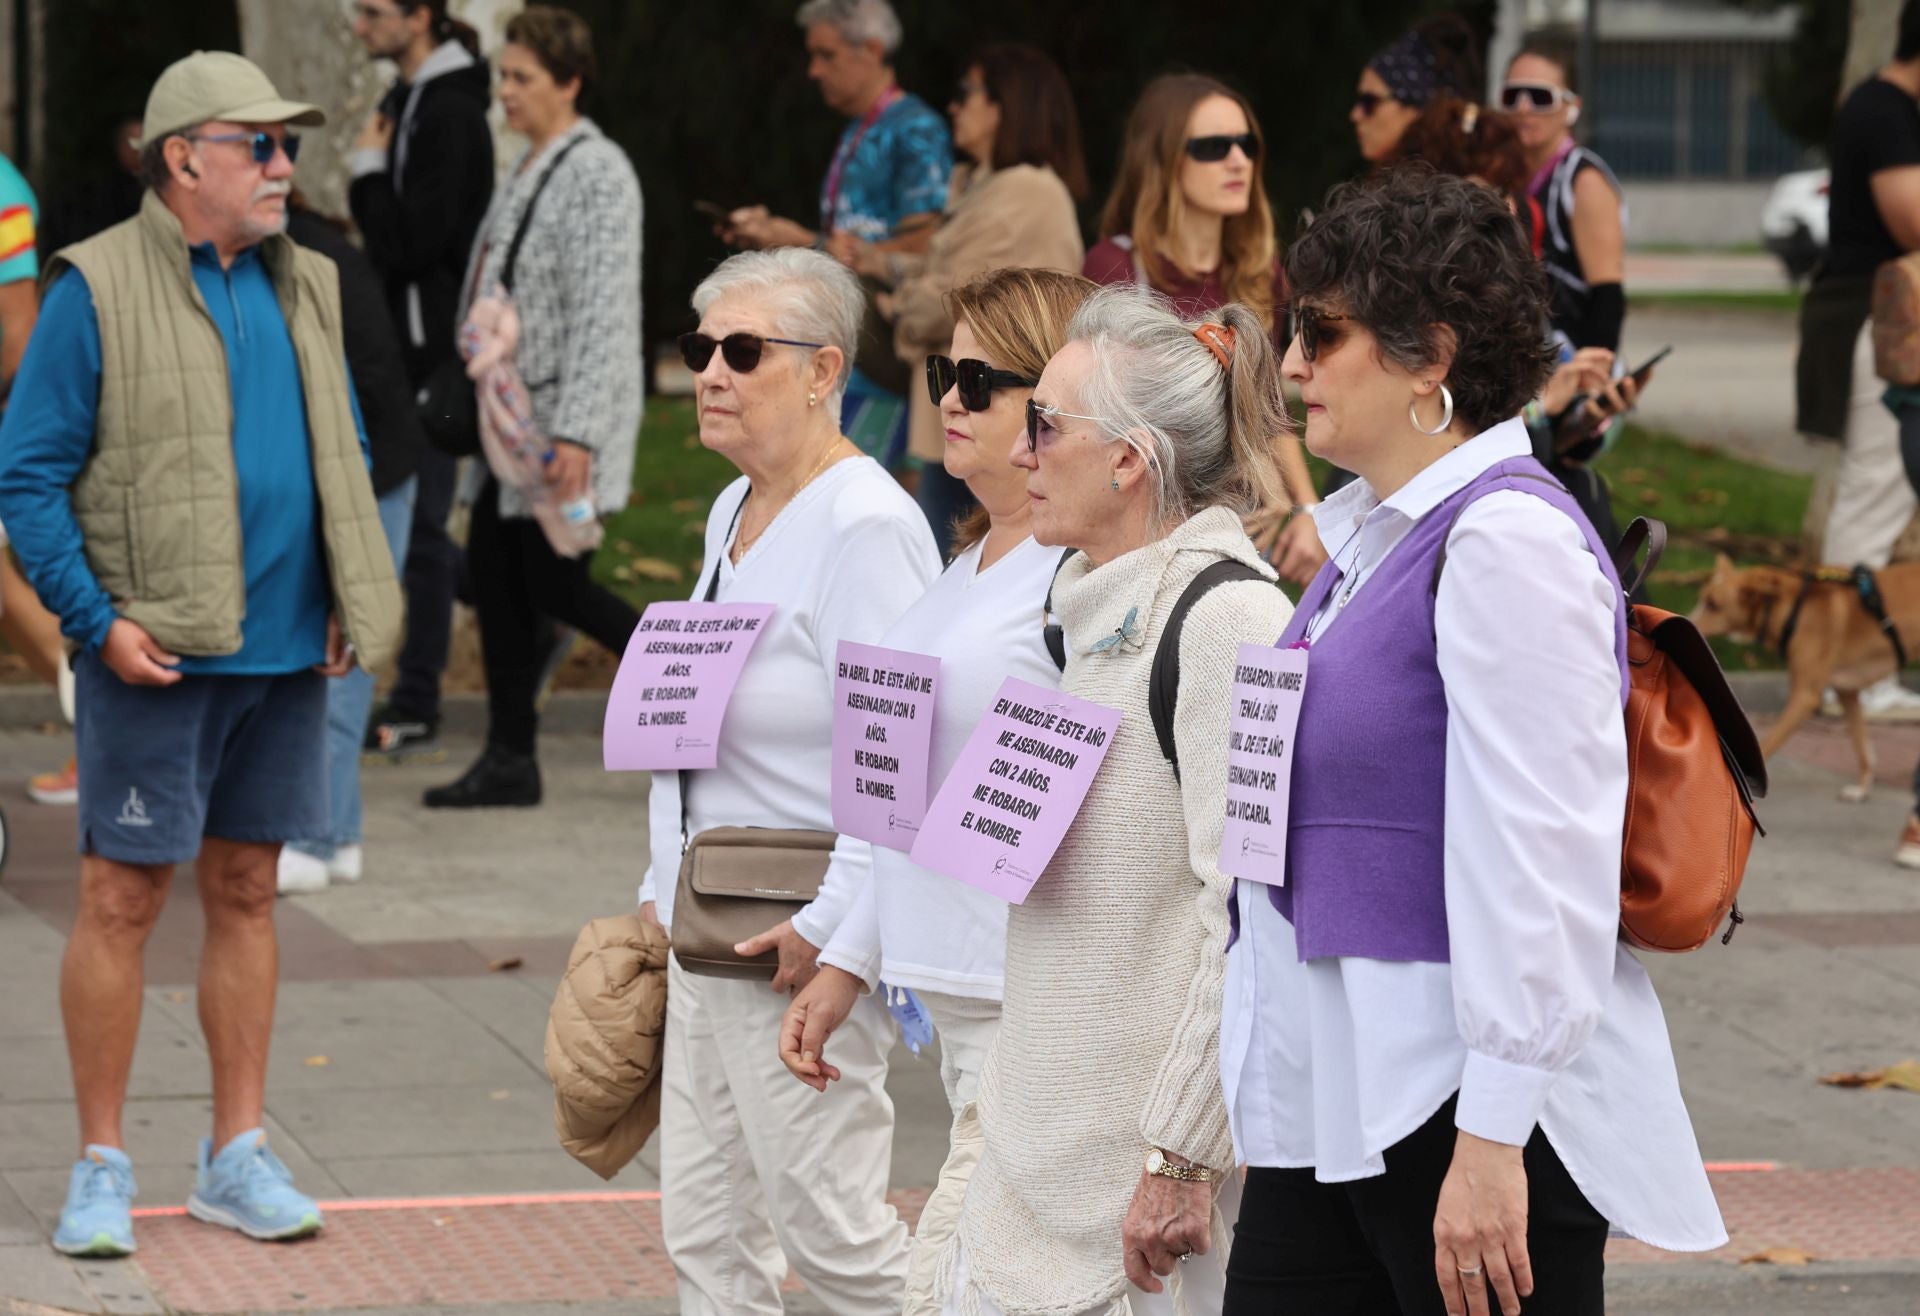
97 1220
246 1188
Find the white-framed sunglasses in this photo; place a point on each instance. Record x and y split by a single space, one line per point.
1535 97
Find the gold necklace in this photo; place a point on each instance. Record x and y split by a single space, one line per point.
742 543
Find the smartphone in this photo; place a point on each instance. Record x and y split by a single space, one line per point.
716 213
1639 372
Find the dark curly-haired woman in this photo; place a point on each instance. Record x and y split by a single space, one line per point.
1445 1071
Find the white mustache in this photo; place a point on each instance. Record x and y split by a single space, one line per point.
276 187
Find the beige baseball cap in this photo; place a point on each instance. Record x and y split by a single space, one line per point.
218 84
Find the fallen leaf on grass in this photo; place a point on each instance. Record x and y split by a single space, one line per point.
654 568
681 506
1648 497
504 963
1636 475
1779 1256
1905 1075
316 1062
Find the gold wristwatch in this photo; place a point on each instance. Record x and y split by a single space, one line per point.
1157 1163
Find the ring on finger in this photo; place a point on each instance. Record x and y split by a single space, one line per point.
1184 1258
1469 1272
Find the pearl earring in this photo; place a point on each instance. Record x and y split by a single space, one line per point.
812 399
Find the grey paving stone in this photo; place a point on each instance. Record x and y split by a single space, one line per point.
479 1173
403 1122
35 1273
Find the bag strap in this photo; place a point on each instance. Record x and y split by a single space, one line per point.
1163 685
526 222
1440 560
712 592
1643 532
1051 631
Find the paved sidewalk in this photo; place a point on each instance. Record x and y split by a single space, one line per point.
406 1076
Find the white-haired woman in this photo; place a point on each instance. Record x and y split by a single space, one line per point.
756 1172
1148 437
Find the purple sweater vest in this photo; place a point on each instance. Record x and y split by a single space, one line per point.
1365 859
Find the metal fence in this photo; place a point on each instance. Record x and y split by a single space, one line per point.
1686 110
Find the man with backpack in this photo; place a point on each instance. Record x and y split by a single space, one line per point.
1874 217
423 172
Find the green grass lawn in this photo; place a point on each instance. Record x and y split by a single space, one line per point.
1710 503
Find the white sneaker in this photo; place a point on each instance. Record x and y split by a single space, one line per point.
346 864
1889 701
300 873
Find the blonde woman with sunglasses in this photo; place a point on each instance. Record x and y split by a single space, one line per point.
1582 216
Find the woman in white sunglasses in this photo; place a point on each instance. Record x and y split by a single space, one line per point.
1581 210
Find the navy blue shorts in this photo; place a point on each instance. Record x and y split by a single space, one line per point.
242 758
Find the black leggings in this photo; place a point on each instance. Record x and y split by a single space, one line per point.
1365 1248
517 577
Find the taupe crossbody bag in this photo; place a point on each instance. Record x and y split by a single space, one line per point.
736 882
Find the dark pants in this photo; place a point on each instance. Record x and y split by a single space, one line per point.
945 500
431 573
518 579
1365 1248
1910 457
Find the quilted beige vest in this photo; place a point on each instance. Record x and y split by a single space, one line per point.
158 501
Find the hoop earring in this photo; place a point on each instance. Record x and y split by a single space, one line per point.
1446 413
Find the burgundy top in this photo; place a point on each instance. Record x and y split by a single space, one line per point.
1109 262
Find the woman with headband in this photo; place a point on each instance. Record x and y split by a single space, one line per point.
1104 1144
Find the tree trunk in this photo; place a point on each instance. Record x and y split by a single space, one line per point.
308 48
1875 27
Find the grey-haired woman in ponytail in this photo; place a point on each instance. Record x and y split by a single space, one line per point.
1106 1143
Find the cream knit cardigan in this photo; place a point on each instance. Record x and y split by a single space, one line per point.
1110 1038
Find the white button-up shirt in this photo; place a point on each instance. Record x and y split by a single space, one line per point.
1542 1017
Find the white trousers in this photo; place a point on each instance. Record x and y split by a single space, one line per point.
1872 499
966 1026
1203 1280
757 1170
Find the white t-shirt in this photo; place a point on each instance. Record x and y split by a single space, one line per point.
910 925
842 561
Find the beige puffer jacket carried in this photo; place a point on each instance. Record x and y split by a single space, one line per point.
603 1041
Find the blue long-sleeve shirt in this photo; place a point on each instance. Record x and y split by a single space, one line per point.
48 437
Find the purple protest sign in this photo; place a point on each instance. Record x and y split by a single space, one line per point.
675 679
1019 783
882 733
1267 687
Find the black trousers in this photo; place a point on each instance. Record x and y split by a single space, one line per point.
518 579
432 571
1365 1248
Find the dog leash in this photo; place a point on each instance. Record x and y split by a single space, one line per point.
1866 585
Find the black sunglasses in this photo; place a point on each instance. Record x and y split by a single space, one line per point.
976 379
1212 150
262 144
1537 96
740 351
1368 101
1310 326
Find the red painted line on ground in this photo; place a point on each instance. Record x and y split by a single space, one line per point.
1741 1167
441 1203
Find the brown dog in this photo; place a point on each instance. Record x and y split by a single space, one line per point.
1836 642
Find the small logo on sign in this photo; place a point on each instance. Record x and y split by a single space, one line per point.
133 811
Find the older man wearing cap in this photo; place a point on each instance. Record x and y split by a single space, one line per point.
184 473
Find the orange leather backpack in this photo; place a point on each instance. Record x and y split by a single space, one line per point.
1694 769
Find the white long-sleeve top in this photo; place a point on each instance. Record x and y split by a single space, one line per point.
1542 1016
841 561
909 924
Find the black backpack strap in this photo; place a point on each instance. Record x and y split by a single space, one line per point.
1869 587
1050 630
526 216
1163 686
